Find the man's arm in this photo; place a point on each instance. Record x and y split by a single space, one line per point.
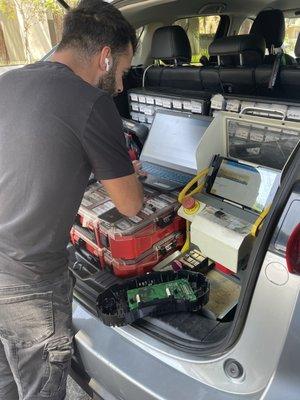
126 193
105 146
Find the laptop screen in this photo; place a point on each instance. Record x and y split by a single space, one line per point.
249 186
173 140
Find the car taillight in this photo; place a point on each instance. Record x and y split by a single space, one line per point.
293 251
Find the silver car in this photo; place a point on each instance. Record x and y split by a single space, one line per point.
251 348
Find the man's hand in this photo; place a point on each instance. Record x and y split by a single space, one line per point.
126 193
137 165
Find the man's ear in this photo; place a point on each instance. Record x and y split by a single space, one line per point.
105 59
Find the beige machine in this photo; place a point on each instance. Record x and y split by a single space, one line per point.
237 186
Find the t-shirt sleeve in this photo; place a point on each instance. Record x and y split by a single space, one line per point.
104 142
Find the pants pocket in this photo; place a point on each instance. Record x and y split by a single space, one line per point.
58 354
26 319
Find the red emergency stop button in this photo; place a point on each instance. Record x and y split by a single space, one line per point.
189 203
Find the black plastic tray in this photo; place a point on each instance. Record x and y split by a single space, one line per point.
113 308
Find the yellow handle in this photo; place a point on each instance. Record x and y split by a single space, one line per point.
184 191
182 195
257 224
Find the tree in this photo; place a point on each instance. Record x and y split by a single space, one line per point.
30 12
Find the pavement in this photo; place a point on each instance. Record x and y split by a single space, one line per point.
74 392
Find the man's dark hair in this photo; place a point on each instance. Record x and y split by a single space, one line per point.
94 24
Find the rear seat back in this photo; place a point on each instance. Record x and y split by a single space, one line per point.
237 58
171 45
242 66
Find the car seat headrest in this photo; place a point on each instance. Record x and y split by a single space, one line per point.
270 24
171 43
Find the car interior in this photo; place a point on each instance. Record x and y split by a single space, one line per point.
244 75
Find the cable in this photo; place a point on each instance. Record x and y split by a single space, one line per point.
144 74
184 191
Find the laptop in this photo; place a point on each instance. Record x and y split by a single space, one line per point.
169 154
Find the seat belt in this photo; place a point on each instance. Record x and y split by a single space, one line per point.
275 70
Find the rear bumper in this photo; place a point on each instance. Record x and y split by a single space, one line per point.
121 370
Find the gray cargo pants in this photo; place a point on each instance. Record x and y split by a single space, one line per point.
35 340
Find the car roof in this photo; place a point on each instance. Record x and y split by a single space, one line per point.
142 12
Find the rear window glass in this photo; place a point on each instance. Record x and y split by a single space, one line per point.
201 32
292 30
246 26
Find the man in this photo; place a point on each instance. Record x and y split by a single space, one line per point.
58 124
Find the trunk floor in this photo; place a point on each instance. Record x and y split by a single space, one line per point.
205 327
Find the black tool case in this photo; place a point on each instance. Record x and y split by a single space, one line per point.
89 281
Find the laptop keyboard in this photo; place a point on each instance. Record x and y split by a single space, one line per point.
167 174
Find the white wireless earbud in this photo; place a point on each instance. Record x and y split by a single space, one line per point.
107 63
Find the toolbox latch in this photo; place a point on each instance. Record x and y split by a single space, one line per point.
162 222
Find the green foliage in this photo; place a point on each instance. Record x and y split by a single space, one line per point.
7 8
32 9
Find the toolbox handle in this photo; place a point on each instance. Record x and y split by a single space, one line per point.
79 271
163 222
247 109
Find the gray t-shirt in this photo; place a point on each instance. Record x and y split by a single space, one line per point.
54 130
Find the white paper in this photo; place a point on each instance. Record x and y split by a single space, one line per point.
177 104
233 105
142 118
196 107
135 106
134 116
242 132
142 99
86 203
257 136
103 208
149 119
134 97
293 113
149 100
158 101
135 219
143 108
187 105
149 110
166 103
147 211
217 102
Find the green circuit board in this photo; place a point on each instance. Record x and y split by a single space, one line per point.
179 289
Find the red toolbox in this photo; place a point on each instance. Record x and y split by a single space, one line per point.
129 238
146 262
84 242
94 196
137 243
